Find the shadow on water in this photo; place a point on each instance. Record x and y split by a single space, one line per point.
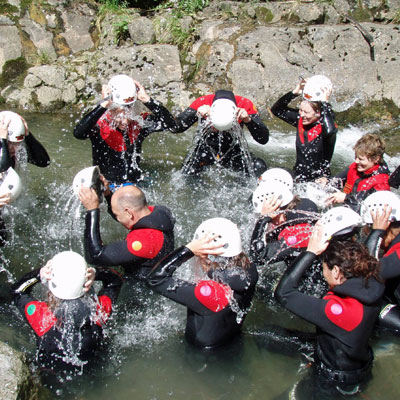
147 356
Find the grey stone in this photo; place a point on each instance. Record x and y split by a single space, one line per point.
10 45
141 31
32 81
42 39
69 94
4 20
49 98
77 33
50 75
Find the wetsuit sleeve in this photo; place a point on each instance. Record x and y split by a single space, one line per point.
37 154
258 248
328 119
390 265
5 158
237 280
281 110
258 129
21 290
160 118
394 179
307 307
373 242
88 123
161 281
112 283
96 253
185 120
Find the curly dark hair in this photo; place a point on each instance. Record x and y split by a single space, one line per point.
353 260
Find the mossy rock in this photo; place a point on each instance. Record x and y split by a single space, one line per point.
361 15
13 71
264 14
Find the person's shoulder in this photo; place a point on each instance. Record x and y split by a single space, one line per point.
247 104
202 100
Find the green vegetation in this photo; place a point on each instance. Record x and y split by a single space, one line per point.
112 6
121 30
183 8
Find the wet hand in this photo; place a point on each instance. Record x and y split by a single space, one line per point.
89 277
141 92
270 205
106 94
300 86
5 199
336 198
317 243
381 220
89 198
204 246
326 93
204 111
46 272
242 115
4 123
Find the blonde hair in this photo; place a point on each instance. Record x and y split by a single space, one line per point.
371 145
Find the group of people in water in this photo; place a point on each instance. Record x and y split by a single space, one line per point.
354 245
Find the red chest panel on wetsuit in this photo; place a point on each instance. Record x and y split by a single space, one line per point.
104 309
40 318
379 181
347 313
394 249
145 243
213 295
313 133
113 137
296 236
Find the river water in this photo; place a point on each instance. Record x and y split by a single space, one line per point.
147 357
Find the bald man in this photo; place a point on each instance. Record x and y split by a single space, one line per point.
150 236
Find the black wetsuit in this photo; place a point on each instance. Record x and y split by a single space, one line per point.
315 143
216 308
389 317
359 185
221 147
72 333
344 317
150 239
394 180
117 153
37 155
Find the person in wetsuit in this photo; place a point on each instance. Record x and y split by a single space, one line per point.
385 235
150 237
218 304
344 317
316 133
69 324
10 157
222 146
367 174
394 180
117 134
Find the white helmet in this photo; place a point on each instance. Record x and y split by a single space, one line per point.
228 234
377 201
16 128
278 175
267 189
223 114
123 90
68 275
10 184
339 221
90 178
313 88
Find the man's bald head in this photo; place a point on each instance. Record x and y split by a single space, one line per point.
129 197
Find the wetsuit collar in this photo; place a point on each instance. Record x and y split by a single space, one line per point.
160 219
356 288
224 94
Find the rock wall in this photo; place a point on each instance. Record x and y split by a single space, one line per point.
56 56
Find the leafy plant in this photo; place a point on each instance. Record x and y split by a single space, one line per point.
111 6
121 30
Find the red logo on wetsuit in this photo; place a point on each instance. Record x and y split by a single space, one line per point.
213 295
311 134
347 313
39 317
296 236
